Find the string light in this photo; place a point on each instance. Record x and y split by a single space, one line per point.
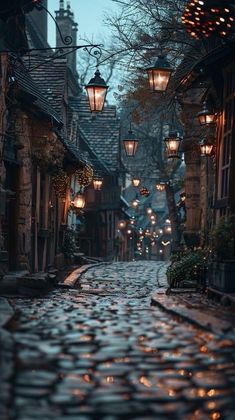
60 182
84 176
204 18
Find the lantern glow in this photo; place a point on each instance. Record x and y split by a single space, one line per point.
97 183
130 144
136 182
206 146
96 91
159 75
79 201
172 145
160 187
206 116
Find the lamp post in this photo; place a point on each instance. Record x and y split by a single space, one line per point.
206 146
96 91
159 74
172 143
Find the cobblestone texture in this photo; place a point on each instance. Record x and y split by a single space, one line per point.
102 352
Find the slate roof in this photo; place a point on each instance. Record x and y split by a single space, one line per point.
100 132
33 95
50 77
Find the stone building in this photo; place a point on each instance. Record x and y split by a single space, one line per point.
44 145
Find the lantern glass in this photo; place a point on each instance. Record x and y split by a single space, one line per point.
206 148
130 144
79 201
172 145
206 116
135 182
121 224
159 75
97 183
160 187
96 91
135 203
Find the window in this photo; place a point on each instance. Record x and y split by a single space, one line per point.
225 158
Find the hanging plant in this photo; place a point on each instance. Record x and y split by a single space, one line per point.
61 183
47 152
84 176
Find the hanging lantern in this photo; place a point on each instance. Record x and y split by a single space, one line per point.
159 75
79 201
130 144
203 18
60 182
206 146
144 191
97 183
206 116
149 210
96 91
121 224
135 202
84 176
172 145
135 182
160 186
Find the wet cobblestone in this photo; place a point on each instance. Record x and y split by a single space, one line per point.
102 352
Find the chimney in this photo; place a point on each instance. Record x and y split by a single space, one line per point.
65 21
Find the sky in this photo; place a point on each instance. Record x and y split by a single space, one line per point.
89 14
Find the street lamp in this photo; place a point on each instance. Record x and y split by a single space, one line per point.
135 203
172 144
130 144
206 115
79 201
160 186
97 183
159 74
121 224
96 91
135 182
206 146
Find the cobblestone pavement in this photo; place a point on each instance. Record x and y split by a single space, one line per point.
102 352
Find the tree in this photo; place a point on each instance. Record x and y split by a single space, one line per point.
142 30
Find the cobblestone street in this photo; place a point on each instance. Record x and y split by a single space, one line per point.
101 351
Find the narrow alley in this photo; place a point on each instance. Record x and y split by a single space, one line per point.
101 351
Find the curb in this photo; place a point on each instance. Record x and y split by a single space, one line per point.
71 280
198 317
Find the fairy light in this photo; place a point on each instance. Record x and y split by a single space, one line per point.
210 17
60 182
84 176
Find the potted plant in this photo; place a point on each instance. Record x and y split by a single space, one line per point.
222 269
185 269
